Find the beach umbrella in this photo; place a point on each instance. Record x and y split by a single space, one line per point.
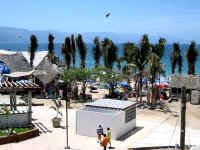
123 84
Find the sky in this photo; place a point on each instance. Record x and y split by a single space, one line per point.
155 17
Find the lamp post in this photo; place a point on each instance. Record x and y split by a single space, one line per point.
67 138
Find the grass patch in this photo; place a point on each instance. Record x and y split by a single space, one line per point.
3 132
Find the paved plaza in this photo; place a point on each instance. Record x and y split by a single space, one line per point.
153 128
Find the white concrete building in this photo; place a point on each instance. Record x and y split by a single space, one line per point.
119 116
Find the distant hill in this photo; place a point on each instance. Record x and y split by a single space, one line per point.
16 35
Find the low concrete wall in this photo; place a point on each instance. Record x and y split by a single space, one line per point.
14 120
87 122
19 137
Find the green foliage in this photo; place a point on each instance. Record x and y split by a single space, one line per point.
82 50
5 110
56 107
154 66
144 51
159 48
79 74
97 52
32 49
191 56
5 132
107 75
129 52
24 98
119 60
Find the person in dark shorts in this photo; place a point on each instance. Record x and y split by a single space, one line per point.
99 133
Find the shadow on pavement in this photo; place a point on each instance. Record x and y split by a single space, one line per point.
130 133
42 128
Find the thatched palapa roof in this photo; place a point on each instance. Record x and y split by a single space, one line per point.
47 71
16 62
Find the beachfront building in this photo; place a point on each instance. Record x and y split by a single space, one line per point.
44 72
15 117
118 115
191 83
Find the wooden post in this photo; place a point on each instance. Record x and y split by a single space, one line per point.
183 110
30 107
14 101
11 101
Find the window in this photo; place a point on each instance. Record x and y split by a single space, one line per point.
130 114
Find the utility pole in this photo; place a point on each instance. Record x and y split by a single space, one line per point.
183 110
67 138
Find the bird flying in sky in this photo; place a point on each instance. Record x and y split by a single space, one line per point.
107 15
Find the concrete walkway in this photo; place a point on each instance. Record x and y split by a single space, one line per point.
154 128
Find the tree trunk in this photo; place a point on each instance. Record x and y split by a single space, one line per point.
140 89
191 68
84 88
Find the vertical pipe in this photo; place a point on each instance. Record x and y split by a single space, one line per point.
67 132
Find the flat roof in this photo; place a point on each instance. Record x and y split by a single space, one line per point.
111 104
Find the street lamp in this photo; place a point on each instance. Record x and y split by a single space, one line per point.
67 139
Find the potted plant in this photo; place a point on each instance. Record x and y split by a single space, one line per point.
57 119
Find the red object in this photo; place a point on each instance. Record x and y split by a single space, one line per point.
161 96
105 141
99 137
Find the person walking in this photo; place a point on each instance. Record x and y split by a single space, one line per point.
105 142
99 133
109 136
59 101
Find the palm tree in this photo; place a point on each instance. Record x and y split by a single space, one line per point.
141 59
119 60
97 53
112 55
51 54
82 50
105 47
32 49
66 51
129 52
191 56
73 50
109 52
153 66
153 69
176 58
50 45
159 48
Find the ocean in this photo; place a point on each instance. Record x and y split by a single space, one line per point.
90 61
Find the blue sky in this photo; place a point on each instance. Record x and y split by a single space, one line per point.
156 17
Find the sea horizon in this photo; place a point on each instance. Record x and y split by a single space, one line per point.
90 62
